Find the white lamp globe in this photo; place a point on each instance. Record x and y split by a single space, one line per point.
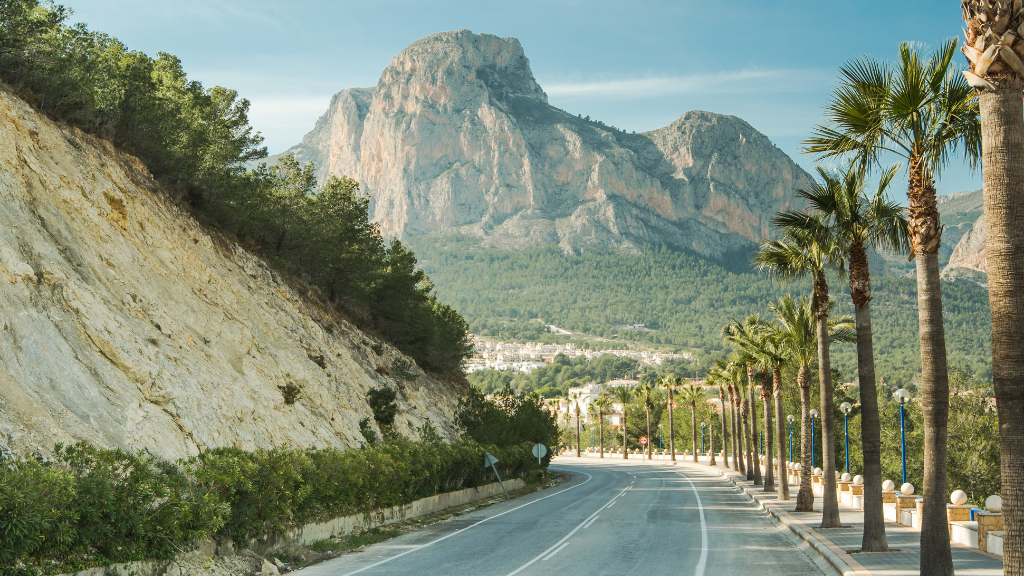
907 489
958 498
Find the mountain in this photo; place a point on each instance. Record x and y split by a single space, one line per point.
124 323
457 134
964 236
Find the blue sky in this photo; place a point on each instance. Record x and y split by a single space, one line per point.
637 65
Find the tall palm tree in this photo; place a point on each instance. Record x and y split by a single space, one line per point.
751 342
741 335
798 253
770 359
997 76
669 383
719 376
623 395
923 111
736 373
798 334
574 399
692 395
601 404
644 391
856 223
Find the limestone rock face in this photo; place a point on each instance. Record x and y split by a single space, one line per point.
457 134
968 259
123 323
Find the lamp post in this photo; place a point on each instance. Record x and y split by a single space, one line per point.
702 425
760 435
846 407
814 414
902 395
790 418
659 438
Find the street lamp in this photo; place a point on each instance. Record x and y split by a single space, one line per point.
814 415
790 418
702 425
846 407
902 396
659 438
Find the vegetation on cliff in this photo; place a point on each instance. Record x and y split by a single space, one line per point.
198 143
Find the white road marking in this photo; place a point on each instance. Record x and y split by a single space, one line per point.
461 530
555 552
594 520
702 564
548 553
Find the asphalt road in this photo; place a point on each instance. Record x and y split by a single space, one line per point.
613 517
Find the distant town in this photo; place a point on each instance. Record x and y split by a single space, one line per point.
526 357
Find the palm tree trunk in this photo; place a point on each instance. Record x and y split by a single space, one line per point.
711 442
1002 132
780 432
577 433
693 418
745 418
769 450
649 434
671 428
926 236
805 495
758 480
625 447
737 432
870 431
830 501
725 430
600 418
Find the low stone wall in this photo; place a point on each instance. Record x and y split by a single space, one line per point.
310 533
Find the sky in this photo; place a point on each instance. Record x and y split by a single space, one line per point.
637 65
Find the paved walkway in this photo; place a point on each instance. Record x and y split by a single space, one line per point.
839 545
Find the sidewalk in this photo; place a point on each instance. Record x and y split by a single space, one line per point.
837 545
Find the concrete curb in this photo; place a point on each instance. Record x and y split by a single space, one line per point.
841 566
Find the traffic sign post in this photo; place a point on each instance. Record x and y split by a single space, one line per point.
490 460
643 440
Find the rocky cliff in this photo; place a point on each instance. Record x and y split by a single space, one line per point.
457 134
123 323
968 258
964 234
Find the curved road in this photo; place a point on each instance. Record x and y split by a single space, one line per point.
612 517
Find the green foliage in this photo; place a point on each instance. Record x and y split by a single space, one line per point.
383 403
508 420
686 300
367 431
92 507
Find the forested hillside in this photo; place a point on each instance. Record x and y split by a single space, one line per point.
682 299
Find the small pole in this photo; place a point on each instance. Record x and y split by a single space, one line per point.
903 442
812 444
490 460
846 423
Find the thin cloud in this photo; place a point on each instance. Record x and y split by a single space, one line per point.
732 82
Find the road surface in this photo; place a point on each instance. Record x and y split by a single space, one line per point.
612 517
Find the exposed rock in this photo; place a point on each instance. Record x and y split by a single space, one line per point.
457 134
123 323
968 258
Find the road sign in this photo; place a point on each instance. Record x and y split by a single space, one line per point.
675 405
539 451
490 461
643 440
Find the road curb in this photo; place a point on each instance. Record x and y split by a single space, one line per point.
841 567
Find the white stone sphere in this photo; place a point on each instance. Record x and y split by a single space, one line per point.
775 461
796 466
858 480
994 504
958 498
907 489
846 477
838 475
817 471
888 486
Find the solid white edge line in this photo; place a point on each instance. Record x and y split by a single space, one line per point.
703 530
591 522
461 530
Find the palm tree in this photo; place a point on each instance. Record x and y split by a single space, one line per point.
770 359
574 398
644 390
855 223
692 395
736 372
796 254
623 395
740 335
799 339
601 403
997 76
719 376
922 111
750 340
670 382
